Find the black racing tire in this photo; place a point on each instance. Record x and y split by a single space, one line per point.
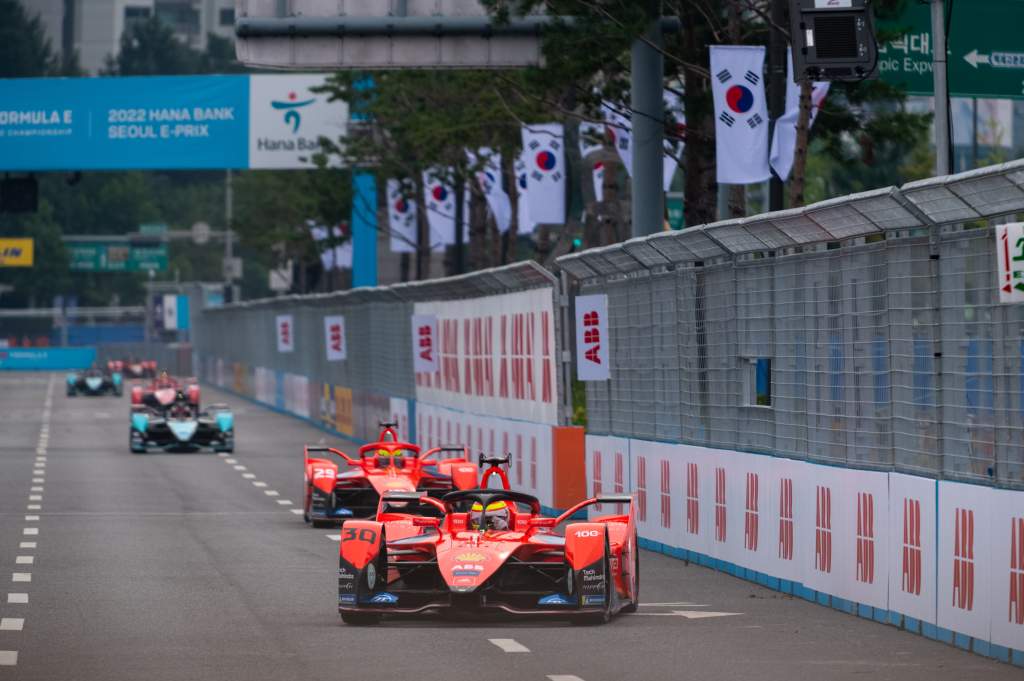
589 619
634 605
72 392
321 524
360 619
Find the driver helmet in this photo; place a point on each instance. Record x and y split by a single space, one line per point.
164 378
384 451
494 518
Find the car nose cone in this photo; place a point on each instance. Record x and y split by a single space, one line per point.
183 430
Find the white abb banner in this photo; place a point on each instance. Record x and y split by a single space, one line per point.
493 355
592 353
945 553
296 394
528 443
285 325
334 338
266 385
424 343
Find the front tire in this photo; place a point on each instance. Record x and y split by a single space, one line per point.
634 605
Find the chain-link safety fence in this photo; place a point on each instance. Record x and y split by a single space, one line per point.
863 331
237 347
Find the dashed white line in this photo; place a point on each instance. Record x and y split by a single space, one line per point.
38 480
297 511
40 464
17 598
240 467
248 476
27 545
259 484
8 658
284 502
35 497
30 531
271 492
31 519
230 460
563 677
334 537
221 454
37 488
509 645
21 577
33 507
12 623
24 560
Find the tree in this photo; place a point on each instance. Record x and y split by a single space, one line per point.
25 51
149 48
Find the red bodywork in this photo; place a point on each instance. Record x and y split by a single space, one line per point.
590 571
372 474
162 393
133 368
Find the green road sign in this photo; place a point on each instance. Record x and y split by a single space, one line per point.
674 205
985 57
116 257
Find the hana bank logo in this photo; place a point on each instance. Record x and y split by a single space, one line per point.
292 116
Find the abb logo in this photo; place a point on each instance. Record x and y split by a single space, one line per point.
823 530
592 336
285 329
692 499
334 334
619 485
641 489
911 583
786 519
751 515
1017 570
720 526
865 538
963 559
666 495
285 333
425 342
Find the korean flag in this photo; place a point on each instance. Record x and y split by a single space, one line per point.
401 217
741 117
439 199
524 225
544 151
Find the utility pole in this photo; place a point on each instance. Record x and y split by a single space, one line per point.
938 8
229 210
647 82
776 91
459 189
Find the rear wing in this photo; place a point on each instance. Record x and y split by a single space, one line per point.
461 449
327 450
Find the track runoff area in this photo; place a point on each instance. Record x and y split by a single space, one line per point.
199 566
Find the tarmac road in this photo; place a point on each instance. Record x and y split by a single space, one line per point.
193 566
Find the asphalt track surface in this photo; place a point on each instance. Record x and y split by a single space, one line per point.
190 566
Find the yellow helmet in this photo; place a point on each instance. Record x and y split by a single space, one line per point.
494 506
388 452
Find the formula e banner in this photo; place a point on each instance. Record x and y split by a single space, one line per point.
168 122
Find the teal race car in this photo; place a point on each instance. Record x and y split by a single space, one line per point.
182 427
95 381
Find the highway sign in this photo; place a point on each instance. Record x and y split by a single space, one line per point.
115 257
986 58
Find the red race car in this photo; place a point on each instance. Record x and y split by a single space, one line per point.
164 391
134 368
491 550
331 496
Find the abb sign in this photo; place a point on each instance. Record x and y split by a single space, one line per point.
334 338
592 356
424 343
285 333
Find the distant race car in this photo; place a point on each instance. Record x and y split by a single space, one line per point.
164 391
94 381
134 368
331 496
491 550
181 426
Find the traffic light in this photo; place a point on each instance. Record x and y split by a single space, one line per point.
833 40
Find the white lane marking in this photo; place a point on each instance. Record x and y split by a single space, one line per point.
296 511
12 623
30 531
33 507
35 497
24 560
222 454
37 488
38 480
248 476
271 492
230 460
41 464
8 658
240 467
690 615
284 502
509 645
27 545
334 537
259 484
17 598
21 577
40 459
38 471
31 519
563 677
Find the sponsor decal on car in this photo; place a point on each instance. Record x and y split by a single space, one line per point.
384 598
471 557
593 600
347 599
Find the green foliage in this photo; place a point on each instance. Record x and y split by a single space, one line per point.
25 51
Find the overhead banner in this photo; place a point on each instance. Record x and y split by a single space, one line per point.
17 252
167 122
334 338
592 356
285 333
424 343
